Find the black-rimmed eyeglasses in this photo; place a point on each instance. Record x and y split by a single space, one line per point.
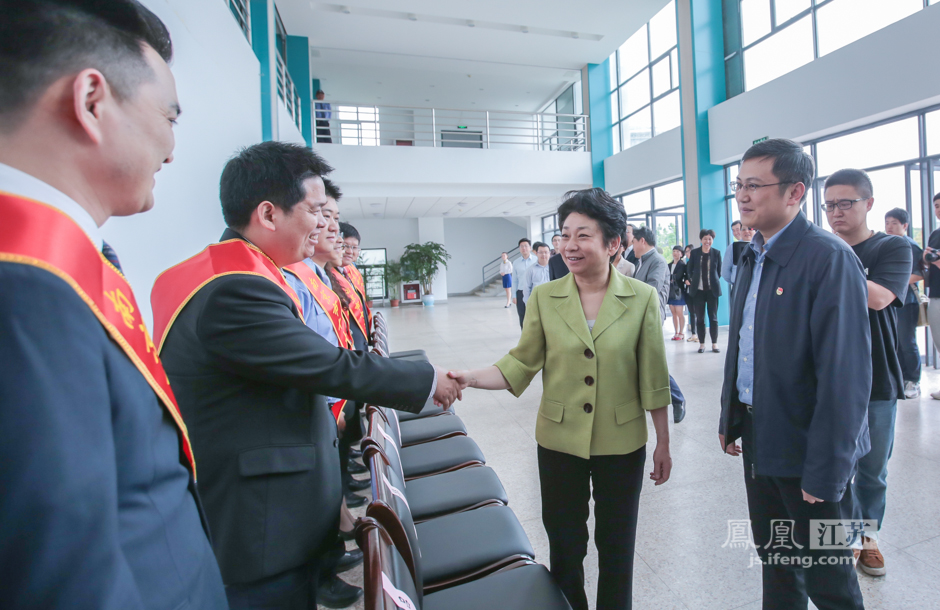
842 204
751 188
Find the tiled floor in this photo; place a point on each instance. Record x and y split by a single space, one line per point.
681 562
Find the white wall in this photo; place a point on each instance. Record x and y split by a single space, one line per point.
393 234
654 161
286 127
474 242
406 171
882 75
217 78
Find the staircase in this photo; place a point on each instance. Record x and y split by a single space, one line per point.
493 289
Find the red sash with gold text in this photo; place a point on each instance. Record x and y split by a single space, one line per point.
355 305
33 233
330 304
174 288
355 278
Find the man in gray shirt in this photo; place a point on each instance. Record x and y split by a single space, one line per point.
519 268
652 269
538 273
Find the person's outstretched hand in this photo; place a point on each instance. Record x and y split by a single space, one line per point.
461 377
448 390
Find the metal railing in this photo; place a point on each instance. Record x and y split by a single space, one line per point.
288 92
371 125
491 269
241 10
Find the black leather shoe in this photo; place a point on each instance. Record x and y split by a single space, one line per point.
355 467
354 500
334 593
357 485
347 536
354 453
349 560
678 412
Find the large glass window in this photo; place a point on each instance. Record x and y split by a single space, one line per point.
549 228
778 36
661 207
358 125
644 80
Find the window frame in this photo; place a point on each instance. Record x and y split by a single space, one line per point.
616 88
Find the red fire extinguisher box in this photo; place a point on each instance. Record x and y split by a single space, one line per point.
412 292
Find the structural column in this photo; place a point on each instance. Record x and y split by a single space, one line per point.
263 44
598 93
298 66
702 85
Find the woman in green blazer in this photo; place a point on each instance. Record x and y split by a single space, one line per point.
597 338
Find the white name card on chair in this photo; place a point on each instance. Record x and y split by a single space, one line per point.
401 599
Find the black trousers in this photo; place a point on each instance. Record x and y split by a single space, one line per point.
520 307
566 489
323 132
294 589
701 299
349 437
826 576
908 352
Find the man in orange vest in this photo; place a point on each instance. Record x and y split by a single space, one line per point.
98 501
252 378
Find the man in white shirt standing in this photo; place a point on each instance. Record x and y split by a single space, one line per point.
538 273
519 268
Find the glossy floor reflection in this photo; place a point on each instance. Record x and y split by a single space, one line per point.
681 561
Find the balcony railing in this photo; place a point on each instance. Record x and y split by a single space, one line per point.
369 125
241 10
288 92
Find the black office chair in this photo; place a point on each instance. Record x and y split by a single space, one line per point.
389 585
418 431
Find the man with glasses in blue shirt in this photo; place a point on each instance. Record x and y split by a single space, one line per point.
799 408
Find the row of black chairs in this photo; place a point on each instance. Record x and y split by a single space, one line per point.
439 533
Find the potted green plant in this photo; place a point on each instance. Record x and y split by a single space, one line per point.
422 262
394 276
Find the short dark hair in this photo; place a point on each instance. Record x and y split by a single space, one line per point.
319 92
540 244
898 214
855 178
679 248
349 231
791 163
270 171
556 235
937 196
332 190
524 239
597 205
704 232
736 222
687 246
646 234
43 40
632 226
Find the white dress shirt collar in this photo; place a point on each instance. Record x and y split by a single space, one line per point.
21 184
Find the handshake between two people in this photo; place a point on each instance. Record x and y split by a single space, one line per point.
451 384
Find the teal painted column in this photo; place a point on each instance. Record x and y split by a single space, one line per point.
298 66
702 70
602 145
262 43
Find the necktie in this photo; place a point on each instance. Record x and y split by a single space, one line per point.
111 255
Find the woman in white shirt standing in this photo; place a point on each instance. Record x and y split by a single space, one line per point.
505 270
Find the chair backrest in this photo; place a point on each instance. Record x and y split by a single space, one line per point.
390 508
387 579
385 446
387 425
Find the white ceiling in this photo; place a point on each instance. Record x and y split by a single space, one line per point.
448 207
424 53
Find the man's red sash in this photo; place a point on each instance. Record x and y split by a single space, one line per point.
330 304
355 278
33 233
355 305
174 288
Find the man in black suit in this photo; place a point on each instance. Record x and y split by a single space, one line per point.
557 267
251 380
98 500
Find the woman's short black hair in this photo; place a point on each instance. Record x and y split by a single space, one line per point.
679 248
596 204
270 171
704 232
